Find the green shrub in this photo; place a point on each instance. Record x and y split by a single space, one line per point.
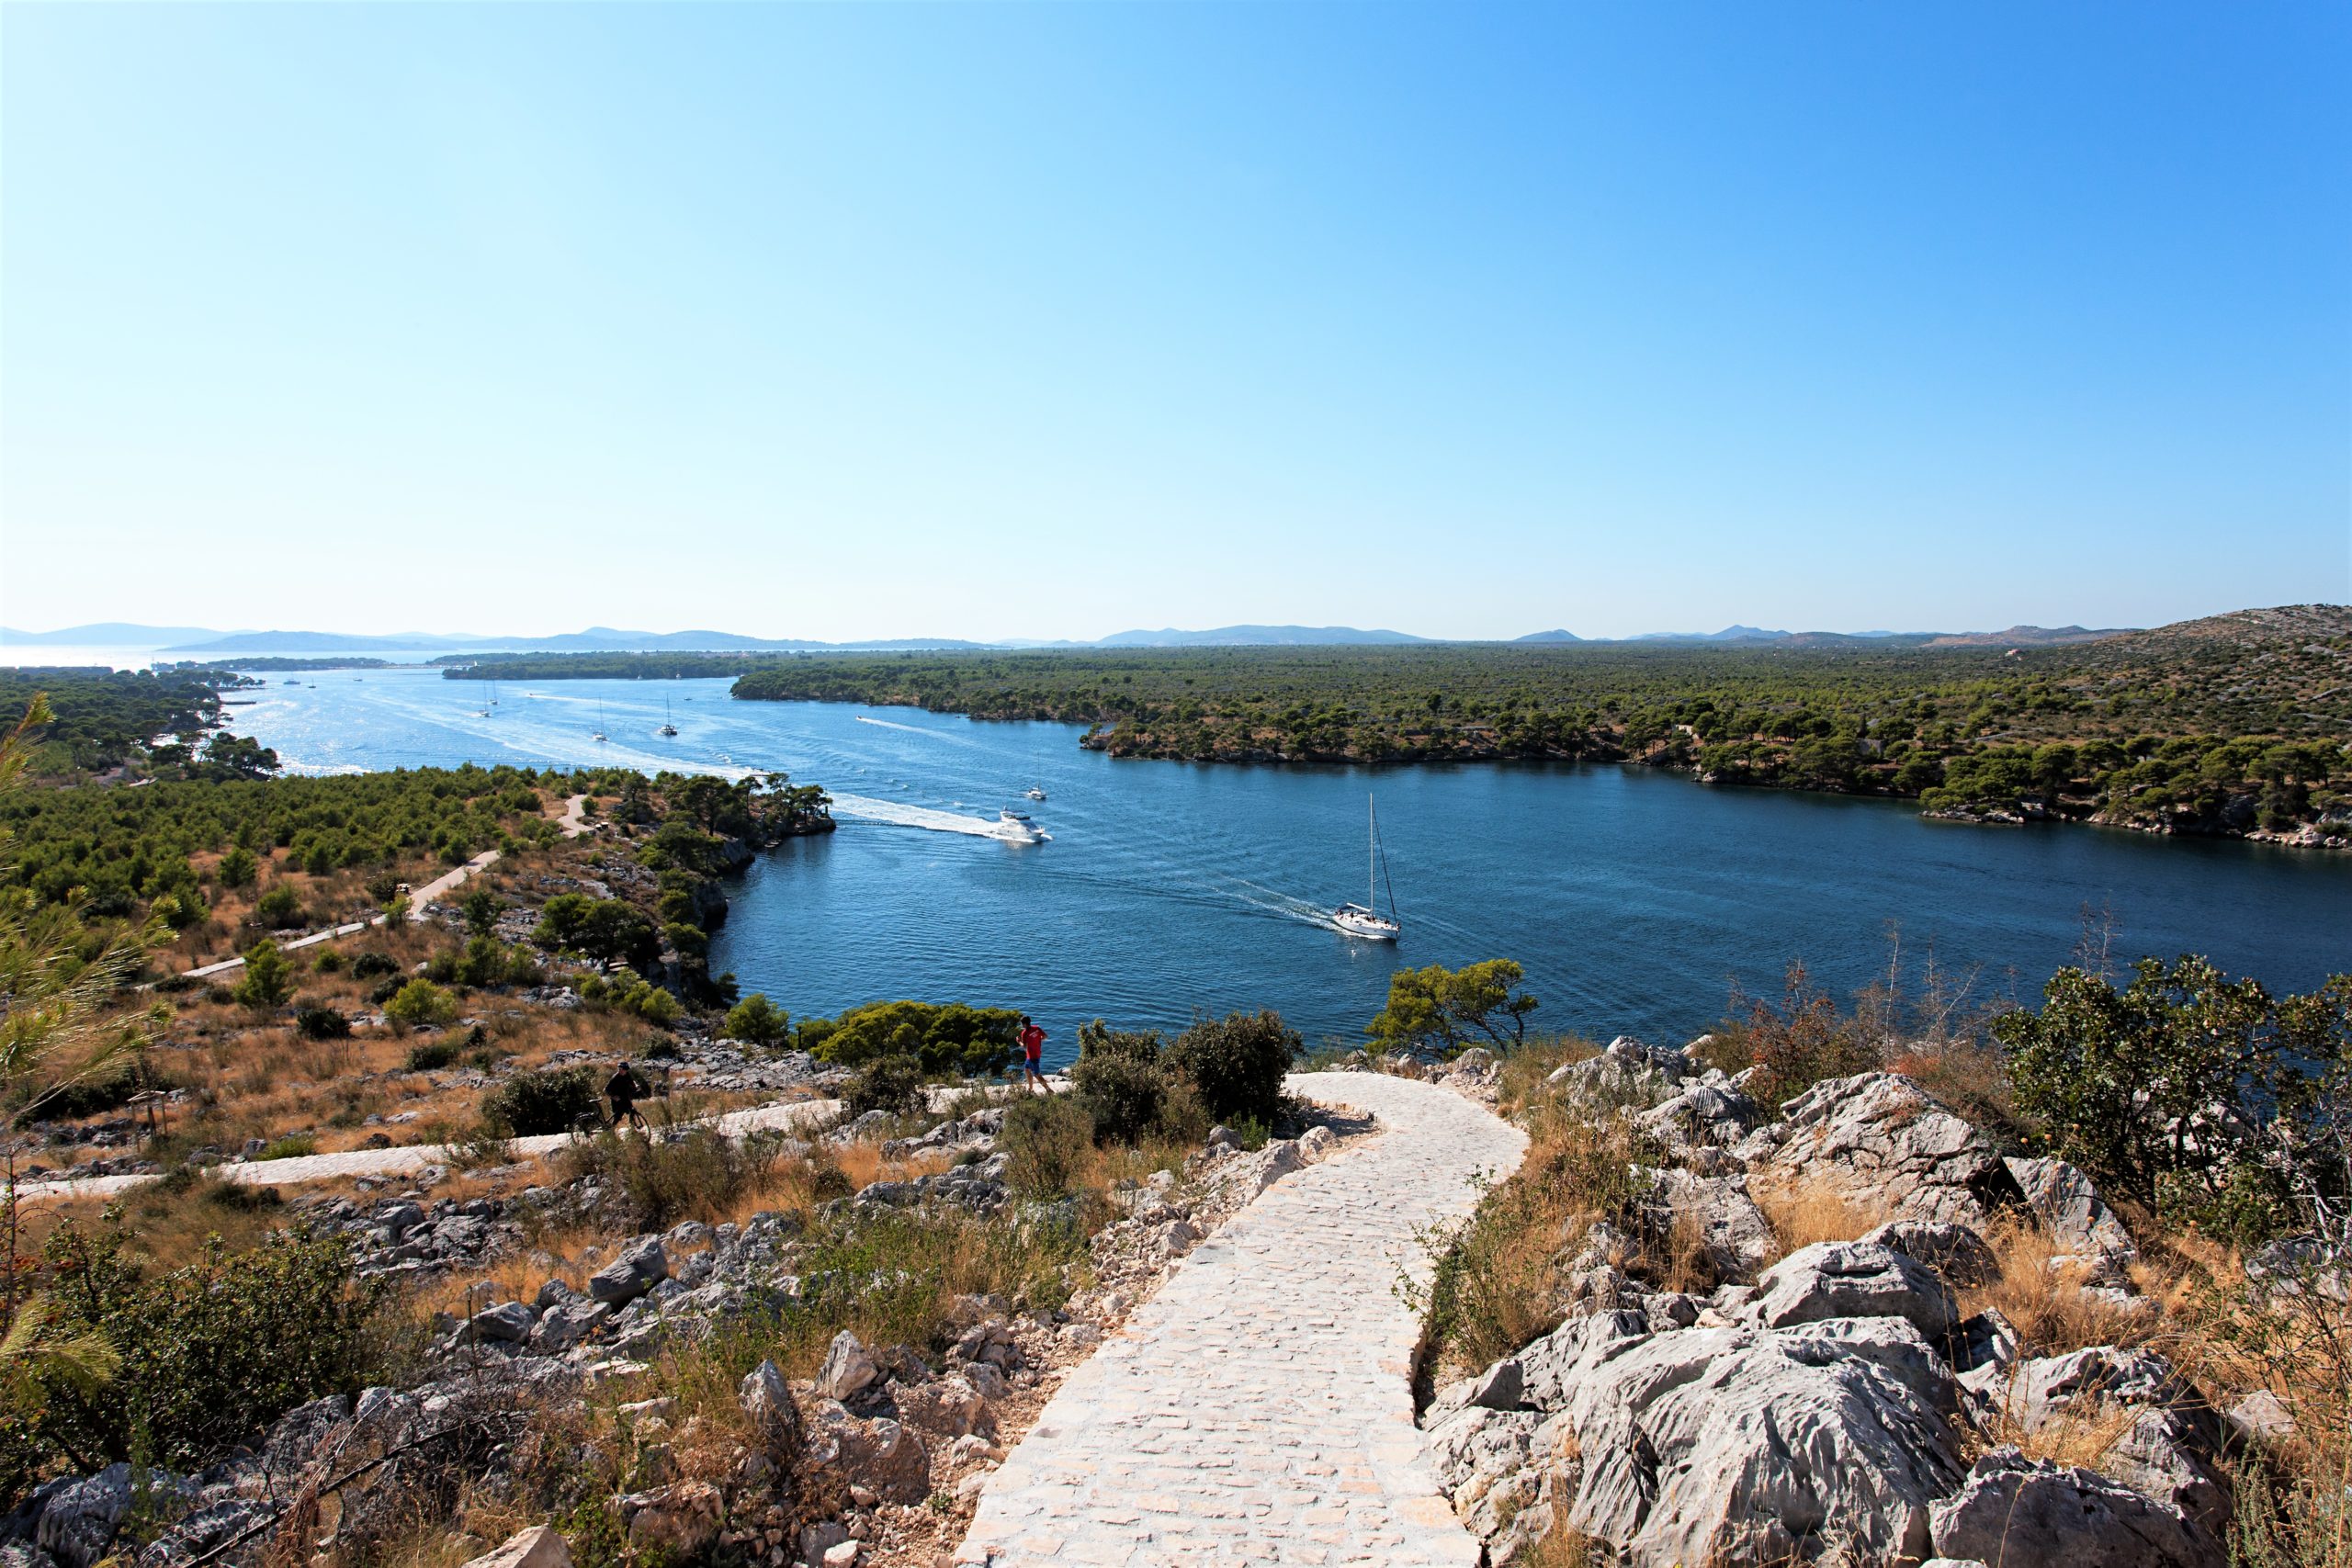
269 978
1122 1079
210 1354
385 989
605 929
1048 1140
951 1041
280 909
429 1056
323 1023
238 868
370 965
421 1002
756 1021
290 1146
548 1100
328 962
1235 1064
886 1083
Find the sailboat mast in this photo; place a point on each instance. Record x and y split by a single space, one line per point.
1371 854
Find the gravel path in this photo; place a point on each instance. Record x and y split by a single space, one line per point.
1258 1408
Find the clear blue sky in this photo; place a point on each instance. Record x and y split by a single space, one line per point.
1053 320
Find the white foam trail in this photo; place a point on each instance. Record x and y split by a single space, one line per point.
866 809
894 723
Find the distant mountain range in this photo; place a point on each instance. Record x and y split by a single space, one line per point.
200 642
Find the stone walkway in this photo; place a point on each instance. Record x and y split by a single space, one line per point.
1258 1408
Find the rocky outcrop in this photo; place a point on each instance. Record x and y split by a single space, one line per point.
2013 1509
1732 1444
1884 1142
2070 1210
1853 1279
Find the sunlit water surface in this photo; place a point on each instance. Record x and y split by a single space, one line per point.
1634 900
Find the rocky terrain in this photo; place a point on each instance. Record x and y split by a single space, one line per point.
877 1459
1839 1401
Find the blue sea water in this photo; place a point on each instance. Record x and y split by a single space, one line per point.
1636 900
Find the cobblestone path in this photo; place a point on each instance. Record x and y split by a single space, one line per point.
1258 1408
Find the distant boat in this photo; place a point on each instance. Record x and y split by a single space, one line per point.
599 735
669 727
1364 920
1018 827
1036 792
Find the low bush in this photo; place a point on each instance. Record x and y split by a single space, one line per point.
1123 1080
280 908
953 1040
373 965
1797 1044
1235 1064
894 1084
692 1174
209 1354
290 1146
431 1055
328 962
421 1002
756 1021
548 1101
268 977
1048 1140
323 1023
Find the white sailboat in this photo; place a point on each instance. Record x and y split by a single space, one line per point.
669 725
1364 920
599 735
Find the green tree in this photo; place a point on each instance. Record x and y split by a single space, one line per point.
481 909
756 1021
280 909
268 977
605 929
1439 1011
238 868
2148 1084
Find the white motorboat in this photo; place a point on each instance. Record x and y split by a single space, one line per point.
1019 827
1036 792
1365 920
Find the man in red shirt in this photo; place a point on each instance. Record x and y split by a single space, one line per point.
1033 1047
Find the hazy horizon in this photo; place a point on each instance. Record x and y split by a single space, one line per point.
1046 322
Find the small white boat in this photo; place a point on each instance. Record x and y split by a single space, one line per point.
1036 792
1018 825
1364 920
669 726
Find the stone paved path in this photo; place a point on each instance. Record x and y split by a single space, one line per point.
1258 1408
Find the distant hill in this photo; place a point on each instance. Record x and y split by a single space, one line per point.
2024 637
1555 635
1729 634
1252 636
105 634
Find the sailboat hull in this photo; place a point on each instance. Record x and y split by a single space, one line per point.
1363 925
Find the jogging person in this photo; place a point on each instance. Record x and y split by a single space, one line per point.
1033 1045
622 1089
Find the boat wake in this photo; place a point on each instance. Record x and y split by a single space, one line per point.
866 809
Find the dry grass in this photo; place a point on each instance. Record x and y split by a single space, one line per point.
1808 1210
1525 1069
2046 1301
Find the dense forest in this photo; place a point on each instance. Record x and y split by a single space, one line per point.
105 719
2234 724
